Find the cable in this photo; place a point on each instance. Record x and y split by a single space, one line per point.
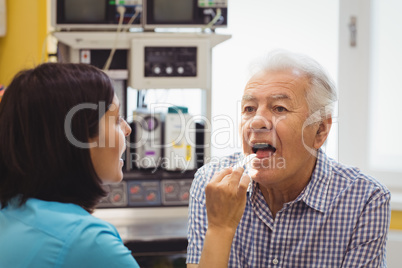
135 15
121 10
215 19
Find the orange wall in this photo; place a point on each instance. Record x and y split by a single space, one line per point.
21 47
396 220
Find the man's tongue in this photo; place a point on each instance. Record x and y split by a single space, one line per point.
264 153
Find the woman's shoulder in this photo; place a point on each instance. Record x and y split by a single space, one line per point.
87 239
60 220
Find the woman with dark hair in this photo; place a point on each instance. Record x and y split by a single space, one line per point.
61 138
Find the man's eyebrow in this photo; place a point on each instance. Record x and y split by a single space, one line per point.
247 98
280 97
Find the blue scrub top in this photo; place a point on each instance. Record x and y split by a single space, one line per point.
51 234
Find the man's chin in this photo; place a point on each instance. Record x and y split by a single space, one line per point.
269 163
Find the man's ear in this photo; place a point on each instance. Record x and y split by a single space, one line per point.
322 132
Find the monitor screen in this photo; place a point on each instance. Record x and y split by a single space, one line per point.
165 11
88 11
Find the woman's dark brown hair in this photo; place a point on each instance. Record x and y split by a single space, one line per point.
38 157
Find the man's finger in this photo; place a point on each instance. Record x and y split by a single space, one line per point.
218 176
234 177
243 184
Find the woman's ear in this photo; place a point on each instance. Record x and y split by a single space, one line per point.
322 132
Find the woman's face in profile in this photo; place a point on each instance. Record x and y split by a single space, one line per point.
110 145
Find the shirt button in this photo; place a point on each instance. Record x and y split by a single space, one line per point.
275 261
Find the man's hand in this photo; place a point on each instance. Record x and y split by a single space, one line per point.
225 200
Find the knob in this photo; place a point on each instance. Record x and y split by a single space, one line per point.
157 70
169 189
169 70
151 196
185 196
180 69
134 189
116 198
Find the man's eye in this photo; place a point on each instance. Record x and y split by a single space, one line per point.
249 109
280 109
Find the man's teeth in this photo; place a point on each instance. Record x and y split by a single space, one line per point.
263 146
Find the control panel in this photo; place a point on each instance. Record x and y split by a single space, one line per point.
175 192
144 193
117 196
170 61
147 193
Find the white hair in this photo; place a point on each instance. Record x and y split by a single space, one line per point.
321 96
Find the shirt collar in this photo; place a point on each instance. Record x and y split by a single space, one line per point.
316 192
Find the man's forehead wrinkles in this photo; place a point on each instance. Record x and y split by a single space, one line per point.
272 84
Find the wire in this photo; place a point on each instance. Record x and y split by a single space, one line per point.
121 10
135 15
119 29
215 19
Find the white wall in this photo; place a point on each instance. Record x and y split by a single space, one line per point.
358 71
353 83
258 26
386 91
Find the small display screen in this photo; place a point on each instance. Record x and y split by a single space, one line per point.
174 11
85 11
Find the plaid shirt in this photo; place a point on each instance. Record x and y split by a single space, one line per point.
340 219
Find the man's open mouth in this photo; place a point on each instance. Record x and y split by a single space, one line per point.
263 150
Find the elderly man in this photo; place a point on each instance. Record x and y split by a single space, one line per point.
302 208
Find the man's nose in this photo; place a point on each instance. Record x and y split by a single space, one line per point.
261 121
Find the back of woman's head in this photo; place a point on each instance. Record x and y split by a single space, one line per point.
47 116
